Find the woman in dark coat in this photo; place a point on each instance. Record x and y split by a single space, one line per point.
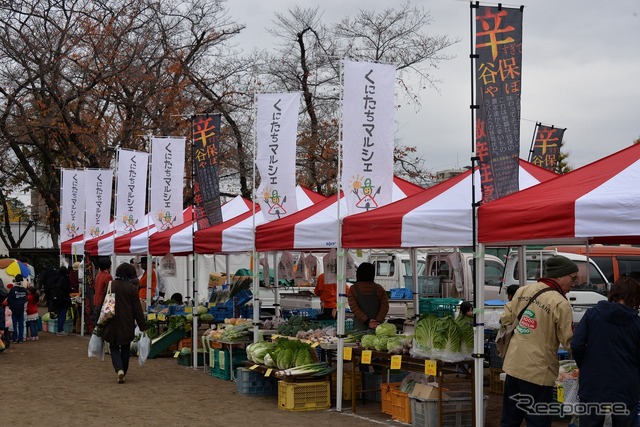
120 330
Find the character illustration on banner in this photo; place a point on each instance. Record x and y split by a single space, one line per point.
272 199
166 220
95 231
368 199
72 230
129 223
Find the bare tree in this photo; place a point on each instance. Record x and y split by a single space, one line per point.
82 77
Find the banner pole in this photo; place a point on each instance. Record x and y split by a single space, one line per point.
533 141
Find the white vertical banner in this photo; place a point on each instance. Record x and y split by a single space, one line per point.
72 203
277 129
97 192
131 190
167 179
367 135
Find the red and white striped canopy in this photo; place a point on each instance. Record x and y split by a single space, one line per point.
599 202
237 235
179 240
437 216
316 227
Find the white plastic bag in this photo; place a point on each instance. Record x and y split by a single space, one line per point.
144 346
96 347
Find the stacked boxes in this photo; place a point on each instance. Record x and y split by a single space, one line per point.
304 396
221 363
456 410
251 383
373 382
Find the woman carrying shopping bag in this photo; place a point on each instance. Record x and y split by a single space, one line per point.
119 330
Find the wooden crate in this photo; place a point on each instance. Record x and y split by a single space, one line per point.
495 384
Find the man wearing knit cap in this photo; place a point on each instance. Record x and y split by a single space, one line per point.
531 362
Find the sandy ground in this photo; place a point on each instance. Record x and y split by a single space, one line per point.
52 382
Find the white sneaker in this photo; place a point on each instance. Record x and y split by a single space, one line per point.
120 376
62 334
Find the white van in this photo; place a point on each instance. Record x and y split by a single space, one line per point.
592 285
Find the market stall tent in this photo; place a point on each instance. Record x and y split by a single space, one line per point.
437 216
237 235
598 203
179 240
316 227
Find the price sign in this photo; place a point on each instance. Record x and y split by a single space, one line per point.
151 316
430 367
188 309
212 304
348 352
396 362
560 394
366 357
162 317
253 367
314 345
268 373
176 354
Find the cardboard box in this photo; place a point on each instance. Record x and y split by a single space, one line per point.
217 279
427 391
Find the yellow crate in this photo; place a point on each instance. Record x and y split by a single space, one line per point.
346 384
495 384
400 406
309 396
386 392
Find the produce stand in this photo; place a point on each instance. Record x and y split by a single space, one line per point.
413 364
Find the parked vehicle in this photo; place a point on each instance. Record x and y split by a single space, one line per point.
592 285
614 261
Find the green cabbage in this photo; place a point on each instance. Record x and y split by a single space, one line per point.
466 333
448 336
380 343
368 341
426 331
386 329
396 344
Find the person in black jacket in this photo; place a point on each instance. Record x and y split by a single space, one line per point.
61 299
119 331
606 347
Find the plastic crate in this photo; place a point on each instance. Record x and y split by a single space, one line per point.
386 392
306 396
496 385
427 285
400 406
250 383
346 383
439 306
348 323
373 381
400 293
222 365
456 407
52 326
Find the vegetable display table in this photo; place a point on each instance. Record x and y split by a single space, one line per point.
408 363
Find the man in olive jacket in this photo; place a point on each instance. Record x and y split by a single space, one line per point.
531 362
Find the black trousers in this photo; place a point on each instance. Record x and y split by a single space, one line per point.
120 355
518 400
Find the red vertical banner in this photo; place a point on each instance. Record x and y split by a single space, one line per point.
498 45
546 147
206 153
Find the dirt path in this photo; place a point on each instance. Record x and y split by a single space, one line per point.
52 382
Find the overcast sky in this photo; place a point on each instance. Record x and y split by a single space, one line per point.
580 71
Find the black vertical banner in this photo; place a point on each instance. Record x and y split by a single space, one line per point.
206 152
546 147
498 45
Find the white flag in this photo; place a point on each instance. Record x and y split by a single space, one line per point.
131 190
71 204
367 135
98 184
167 176
277 128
